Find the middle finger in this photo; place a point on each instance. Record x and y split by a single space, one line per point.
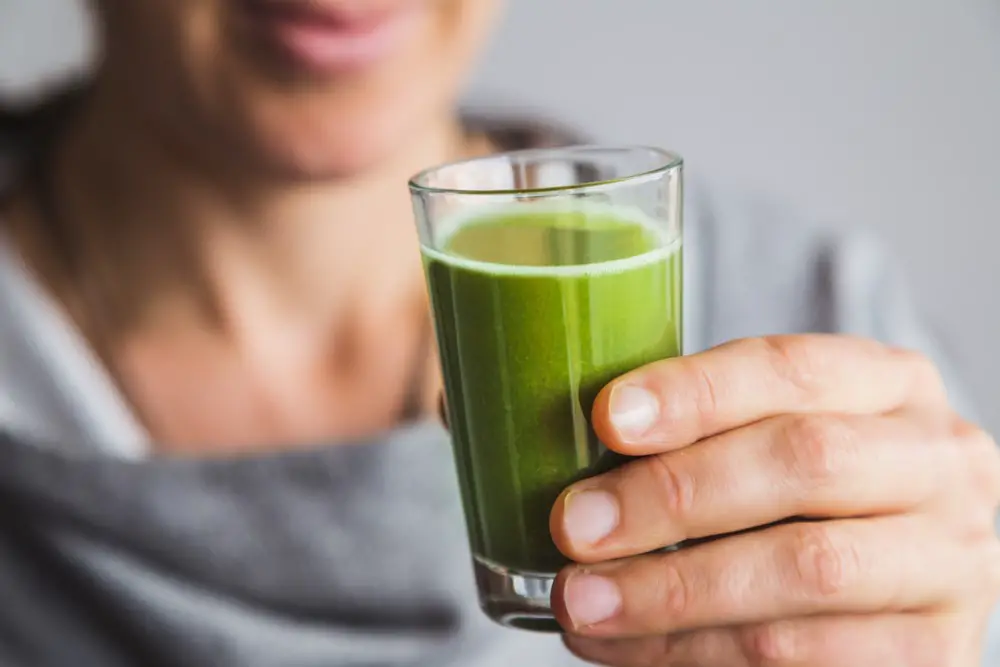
790 466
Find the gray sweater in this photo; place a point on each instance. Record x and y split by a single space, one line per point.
346 555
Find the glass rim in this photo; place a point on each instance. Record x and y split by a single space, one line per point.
668 161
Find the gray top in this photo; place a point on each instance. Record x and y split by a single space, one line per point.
348 555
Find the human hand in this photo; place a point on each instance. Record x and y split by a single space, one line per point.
898 564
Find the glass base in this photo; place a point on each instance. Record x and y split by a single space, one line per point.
516 599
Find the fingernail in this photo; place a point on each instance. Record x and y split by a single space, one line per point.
591 599
633 410
589 516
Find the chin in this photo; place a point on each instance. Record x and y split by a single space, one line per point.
334 132
326 150
309 92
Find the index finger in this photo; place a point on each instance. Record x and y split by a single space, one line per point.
673 403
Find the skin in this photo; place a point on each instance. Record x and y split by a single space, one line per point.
225 213
898 564
225 217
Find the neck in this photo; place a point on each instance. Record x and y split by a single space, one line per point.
235 308
172 232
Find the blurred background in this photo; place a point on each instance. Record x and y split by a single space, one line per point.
872 114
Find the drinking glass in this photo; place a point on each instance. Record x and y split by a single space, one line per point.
551 272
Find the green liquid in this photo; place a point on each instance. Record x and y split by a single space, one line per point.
536 310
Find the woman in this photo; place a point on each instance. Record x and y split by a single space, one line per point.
212 299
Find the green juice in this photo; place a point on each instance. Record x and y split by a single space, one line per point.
536 310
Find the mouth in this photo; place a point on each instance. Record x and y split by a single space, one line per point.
329 37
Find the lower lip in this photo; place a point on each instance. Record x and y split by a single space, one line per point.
332 46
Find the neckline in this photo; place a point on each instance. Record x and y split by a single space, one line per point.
60 393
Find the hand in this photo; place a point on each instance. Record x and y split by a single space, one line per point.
891 558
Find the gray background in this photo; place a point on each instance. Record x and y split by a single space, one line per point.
878 113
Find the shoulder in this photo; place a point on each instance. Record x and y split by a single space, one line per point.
757 267
767 268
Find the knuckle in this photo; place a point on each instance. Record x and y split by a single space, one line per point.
817 448
824 565
796 361
706 401
986 457
659 649
772 644
979 451
675 486
926 376
673 592
699 645
656 650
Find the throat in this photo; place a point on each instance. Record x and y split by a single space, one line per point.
200 392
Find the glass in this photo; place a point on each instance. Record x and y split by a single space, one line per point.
551 272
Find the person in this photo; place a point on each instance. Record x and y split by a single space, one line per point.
218 387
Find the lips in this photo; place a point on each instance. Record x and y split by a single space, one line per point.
329 37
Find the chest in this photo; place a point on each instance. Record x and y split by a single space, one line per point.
350 556
199 392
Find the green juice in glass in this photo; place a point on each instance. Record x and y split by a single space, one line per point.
536 309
